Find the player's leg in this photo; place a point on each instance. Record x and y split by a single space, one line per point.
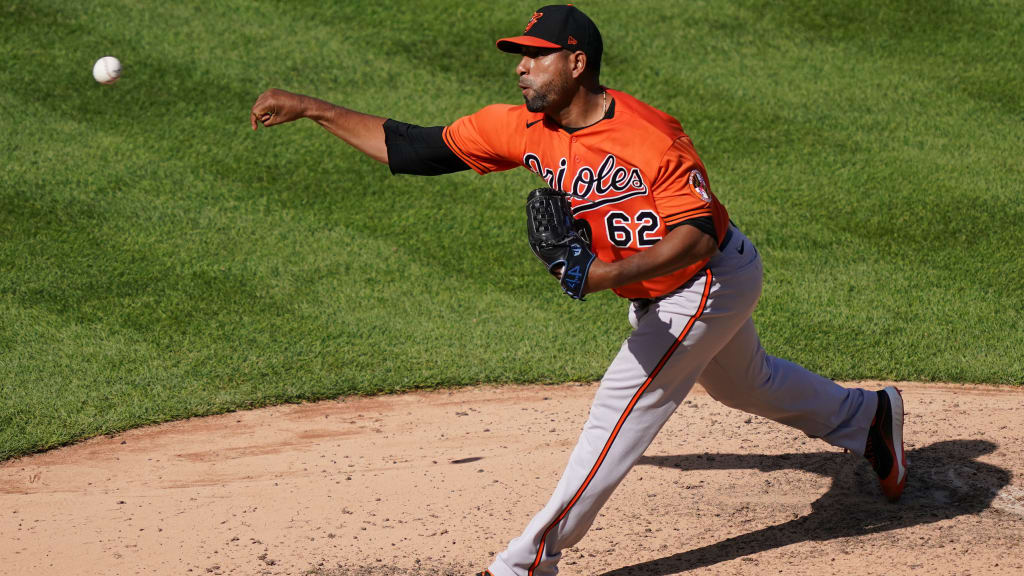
743 376
649 378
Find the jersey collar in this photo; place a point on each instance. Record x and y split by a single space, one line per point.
608 115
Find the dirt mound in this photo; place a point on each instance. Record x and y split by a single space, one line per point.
438 482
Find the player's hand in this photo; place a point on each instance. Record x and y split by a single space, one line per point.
277 107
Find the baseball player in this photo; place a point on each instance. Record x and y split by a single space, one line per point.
645 224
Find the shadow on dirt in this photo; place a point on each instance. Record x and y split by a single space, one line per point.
945 480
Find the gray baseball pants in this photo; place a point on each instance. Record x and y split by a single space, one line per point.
701 332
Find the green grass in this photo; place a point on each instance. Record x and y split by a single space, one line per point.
159 260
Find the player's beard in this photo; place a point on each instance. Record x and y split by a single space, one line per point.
544 95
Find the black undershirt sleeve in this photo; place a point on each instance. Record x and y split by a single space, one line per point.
419 150
705 224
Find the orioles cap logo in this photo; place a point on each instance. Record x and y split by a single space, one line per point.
536 16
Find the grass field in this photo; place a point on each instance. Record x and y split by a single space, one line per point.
159 260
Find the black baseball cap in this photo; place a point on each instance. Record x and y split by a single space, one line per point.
559 26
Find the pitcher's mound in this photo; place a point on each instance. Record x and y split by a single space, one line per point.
436 483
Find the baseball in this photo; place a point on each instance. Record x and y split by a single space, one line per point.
106 70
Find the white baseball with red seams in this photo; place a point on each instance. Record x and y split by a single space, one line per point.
106 70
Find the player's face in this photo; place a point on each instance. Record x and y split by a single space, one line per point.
544 77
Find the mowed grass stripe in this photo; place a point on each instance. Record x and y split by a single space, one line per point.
160 260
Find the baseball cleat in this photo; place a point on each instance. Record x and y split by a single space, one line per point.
884 447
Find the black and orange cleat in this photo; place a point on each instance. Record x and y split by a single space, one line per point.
884 447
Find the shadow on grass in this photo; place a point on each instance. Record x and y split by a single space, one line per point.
945 481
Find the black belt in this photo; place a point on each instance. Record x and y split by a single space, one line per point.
642 302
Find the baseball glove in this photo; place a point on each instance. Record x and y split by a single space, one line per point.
556 238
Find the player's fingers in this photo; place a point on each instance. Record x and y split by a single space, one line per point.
256 111
259 114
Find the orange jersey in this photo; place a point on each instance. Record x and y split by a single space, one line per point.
630 176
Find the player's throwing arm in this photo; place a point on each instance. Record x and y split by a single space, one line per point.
362 131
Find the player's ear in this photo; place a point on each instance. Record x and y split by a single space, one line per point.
577 63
